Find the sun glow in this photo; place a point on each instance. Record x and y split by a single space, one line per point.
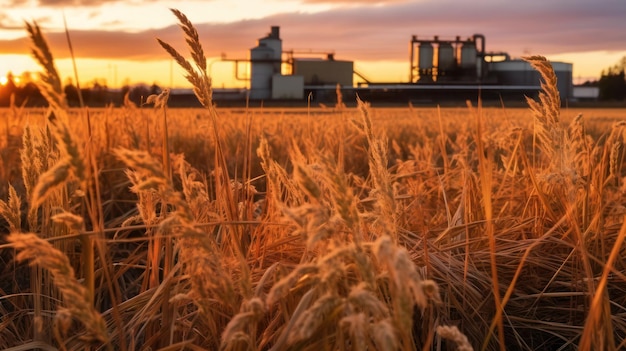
5 79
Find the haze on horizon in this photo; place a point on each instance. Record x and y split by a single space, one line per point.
114 40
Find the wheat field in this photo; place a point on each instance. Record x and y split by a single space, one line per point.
320 228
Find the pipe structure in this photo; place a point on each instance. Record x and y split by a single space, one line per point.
480 66
367 81
238 61
478 40
482 42
412 58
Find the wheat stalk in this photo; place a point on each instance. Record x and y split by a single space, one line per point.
382 182
551 134
198 252
11 210
340 106
50 81
53 179
76 297
160 102
453 333
197 76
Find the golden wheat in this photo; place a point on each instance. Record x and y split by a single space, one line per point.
75 296
395 229
11 210
452 333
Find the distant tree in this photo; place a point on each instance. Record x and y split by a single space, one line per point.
125 89
99 93
71 94
139 93
155 89
590 83
612 83
6 90
28 94
26 77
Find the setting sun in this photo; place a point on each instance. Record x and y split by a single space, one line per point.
17 80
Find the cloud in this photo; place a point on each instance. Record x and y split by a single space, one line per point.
379 32
18 2
352 2
83 3
9 23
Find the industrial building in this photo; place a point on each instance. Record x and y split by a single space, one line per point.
439 69
266 78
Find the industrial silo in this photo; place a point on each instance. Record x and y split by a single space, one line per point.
425 61
261 72
445 59
273 41
265 61
468 59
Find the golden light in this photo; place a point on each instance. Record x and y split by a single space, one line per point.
3 80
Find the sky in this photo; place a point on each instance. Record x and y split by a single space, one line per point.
115 43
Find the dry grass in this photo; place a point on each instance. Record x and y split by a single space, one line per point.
347 229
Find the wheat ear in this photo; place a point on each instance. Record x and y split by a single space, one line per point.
10 210
197 76
50 81
453 333
547 112
76 297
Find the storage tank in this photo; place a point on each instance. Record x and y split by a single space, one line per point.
425 60
445 58
468 55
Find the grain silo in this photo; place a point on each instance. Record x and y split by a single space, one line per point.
265 62
446 60
425 61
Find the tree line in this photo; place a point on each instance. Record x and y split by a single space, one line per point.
98 95
612 82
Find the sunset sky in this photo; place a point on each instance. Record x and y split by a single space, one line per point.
114 40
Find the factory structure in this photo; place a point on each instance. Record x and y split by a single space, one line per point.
268 83
439 69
